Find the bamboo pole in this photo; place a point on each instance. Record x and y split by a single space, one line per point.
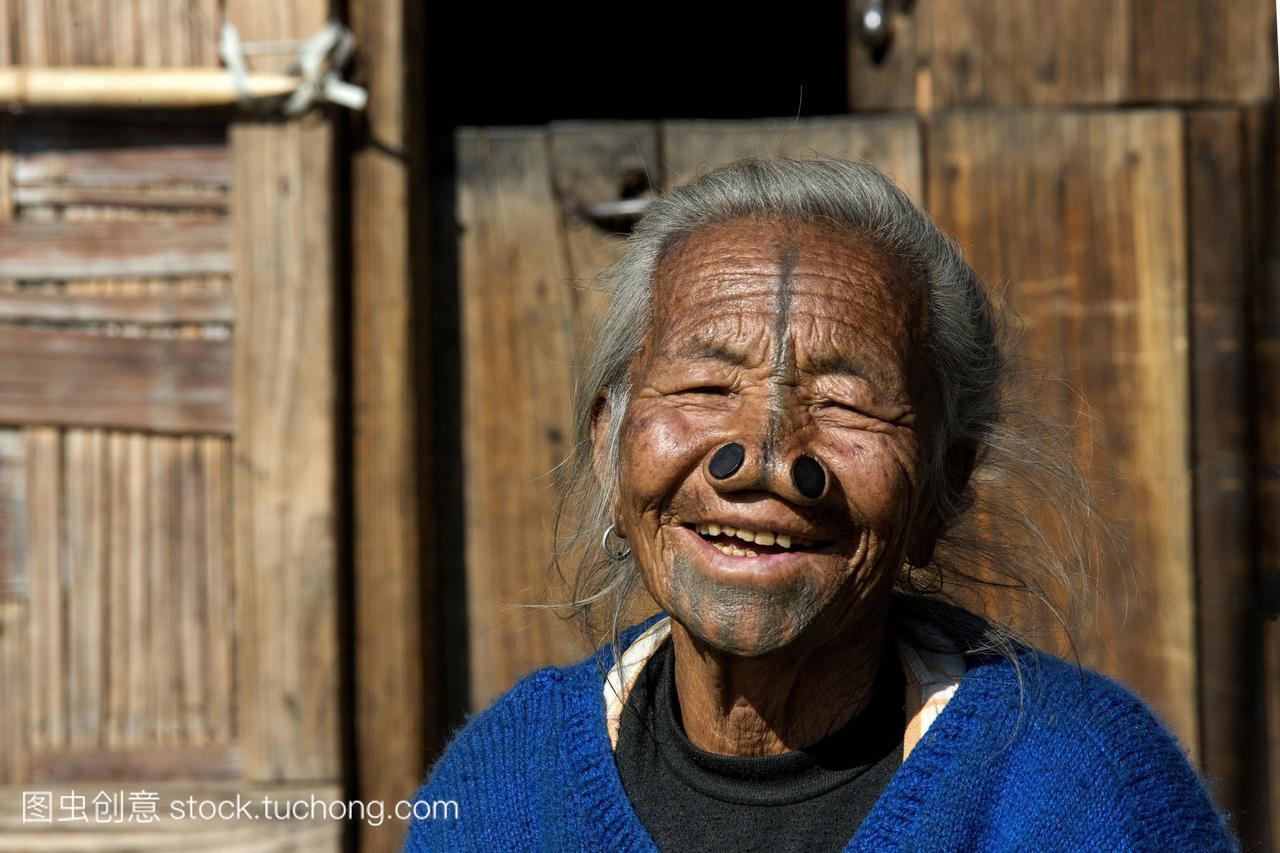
135 87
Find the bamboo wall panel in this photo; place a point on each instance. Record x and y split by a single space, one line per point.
117 249
167 763
163 630
1083 214
72 378
170 309
53 152
121 33
15 676
48 679
517 319
132 647
995 53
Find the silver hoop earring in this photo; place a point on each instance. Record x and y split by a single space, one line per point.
613 555
936 584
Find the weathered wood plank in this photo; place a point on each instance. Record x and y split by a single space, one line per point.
889 78
142 309
137 764
400 650
47 593
1227 600
517 330
284 491
594 164
81 154
283 828
1032 52
113 249
1084 215
70 378
891 143
13 515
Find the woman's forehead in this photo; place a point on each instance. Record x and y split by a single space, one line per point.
746 282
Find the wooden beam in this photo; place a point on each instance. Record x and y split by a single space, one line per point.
1227 597
286 590
77 379
134 88
399 650
1264 326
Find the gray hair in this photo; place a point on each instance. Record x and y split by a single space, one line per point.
1023 521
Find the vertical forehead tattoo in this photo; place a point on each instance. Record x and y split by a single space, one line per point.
783 356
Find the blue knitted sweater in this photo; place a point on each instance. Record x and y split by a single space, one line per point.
1059 759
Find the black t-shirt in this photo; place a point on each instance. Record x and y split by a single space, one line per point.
808 800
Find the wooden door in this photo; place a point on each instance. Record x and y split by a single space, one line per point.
168 576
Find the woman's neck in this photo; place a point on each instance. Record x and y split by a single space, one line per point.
779 702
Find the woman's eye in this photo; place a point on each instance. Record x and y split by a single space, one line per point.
706 389
840 407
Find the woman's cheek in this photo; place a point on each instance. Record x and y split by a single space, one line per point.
875 484
660 446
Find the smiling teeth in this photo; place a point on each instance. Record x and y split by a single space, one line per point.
733 551
760 537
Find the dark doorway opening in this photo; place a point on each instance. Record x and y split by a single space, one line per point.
528 63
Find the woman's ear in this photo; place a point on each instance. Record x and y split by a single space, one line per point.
601 415
957 469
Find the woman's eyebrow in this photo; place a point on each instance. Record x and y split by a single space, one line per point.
838 363
701 348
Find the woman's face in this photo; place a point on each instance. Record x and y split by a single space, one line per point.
788 339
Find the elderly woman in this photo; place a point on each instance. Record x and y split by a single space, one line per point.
779 429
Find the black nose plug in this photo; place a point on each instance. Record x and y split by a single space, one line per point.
726 461
807 474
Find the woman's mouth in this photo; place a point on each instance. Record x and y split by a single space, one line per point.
746 542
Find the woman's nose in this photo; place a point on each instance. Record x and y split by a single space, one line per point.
735 466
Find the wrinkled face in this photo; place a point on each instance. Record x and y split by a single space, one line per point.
795 342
